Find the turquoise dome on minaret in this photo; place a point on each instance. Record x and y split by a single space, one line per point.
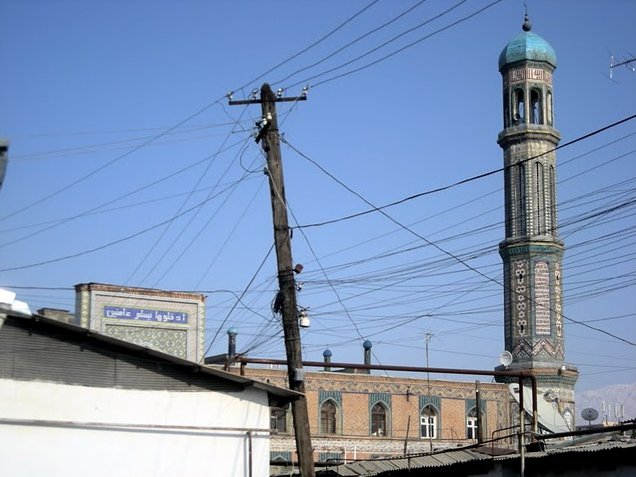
527 46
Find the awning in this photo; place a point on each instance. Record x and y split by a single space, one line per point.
550 419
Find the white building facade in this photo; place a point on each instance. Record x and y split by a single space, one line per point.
76 403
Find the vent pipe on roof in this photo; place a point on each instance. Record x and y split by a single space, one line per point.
367 351
326 354
4 146
231 344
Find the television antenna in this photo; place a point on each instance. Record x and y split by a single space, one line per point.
627 63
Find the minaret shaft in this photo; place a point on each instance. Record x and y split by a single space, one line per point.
531 250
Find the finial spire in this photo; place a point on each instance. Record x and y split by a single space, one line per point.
526 23
526 20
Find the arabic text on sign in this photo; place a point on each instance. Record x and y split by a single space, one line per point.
142 314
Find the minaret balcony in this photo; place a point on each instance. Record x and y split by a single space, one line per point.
525 132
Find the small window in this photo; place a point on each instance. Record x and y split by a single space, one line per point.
428 423
328 414
378 420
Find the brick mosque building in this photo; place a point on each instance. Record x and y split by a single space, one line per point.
356 415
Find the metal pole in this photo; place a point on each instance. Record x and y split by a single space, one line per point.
249 446
522 430
480 435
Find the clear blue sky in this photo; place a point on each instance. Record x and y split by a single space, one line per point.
117 121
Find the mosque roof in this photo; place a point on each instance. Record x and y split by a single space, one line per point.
527 46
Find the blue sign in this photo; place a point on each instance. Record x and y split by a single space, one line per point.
142 314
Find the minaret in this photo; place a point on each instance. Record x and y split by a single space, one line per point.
532 250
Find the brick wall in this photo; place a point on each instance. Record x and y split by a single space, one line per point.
354 436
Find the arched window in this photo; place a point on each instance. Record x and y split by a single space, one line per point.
535 106
428 422
328 417
378 420
471 424
567 416
519 107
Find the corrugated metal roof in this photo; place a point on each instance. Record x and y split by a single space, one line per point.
596 447
376 467
602 444
372 468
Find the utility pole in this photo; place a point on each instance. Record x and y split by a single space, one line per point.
268 137
429 335
478 405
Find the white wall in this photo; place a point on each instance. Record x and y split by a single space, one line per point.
92 431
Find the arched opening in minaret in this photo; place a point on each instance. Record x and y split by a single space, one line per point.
548 107
540 208
509 191
535 106
552 199
521 200
506 110
519 107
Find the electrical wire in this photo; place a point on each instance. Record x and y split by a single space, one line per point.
356 40
455 257
459 182
386 57
216 334
109 163
304 50
180 208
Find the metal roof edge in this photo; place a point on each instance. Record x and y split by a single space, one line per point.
193 367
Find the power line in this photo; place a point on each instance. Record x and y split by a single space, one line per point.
304 50
55 223
454 184
109 163
109 244
359 38
454 256
410 45
239 298
183 203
